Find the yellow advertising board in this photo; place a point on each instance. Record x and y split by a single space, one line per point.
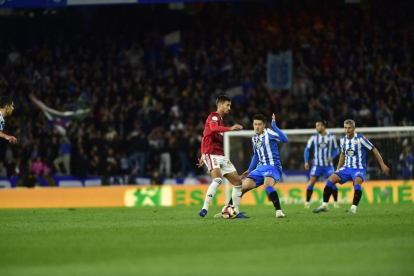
295 193
191 195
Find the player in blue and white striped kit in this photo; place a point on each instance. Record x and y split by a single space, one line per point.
352 165
265 167
325 149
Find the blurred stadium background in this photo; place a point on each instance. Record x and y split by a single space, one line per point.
142 78
110 100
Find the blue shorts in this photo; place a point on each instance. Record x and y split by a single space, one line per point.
318 170
347 174
263 171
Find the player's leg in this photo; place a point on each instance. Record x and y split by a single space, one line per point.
309 190
215 171
253 180
269 182
357 194
328 171
315 172
327 191
236 195
247 185
335 196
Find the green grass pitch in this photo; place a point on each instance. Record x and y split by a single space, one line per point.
378 240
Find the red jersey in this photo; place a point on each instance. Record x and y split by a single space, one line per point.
213 135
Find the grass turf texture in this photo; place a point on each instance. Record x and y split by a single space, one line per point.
378 240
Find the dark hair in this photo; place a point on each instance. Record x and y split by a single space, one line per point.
260 117
323 122
223 99
5 100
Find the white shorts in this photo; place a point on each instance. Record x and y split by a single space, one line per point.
218 162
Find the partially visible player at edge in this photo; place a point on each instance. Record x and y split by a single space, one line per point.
213 154
325 149
265 167
6 109
352 165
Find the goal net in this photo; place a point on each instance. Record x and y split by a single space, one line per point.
393 143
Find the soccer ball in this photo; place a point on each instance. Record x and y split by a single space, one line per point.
229 212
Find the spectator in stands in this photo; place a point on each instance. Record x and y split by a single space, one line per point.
37 166
138 146
3 170
339 72
64 157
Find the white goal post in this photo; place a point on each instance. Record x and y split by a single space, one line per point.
302 135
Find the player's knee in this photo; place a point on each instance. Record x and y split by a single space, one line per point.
248 184
218 181
334 178
269 183
358 181
237 182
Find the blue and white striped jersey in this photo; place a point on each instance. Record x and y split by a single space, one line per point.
266 149
355 151
1 122
323 147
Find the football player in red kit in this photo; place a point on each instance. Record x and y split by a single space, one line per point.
213 154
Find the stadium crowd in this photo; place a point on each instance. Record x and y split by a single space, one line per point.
149 103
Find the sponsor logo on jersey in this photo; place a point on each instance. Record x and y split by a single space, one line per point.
350 152
323 144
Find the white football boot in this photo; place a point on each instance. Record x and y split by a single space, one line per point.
352 210
279 214
323 208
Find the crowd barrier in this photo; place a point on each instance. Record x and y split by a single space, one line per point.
190 195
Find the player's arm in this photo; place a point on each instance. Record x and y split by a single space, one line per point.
9 138
306 153
341 161
200 159
214 127
252 166
333 155
335 152
384 167
282 136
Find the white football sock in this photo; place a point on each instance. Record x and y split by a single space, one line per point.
211 191
325 204
236 196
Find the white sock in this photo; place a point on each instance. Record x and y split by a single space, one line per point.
211 191
353 207
325 204
236 196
